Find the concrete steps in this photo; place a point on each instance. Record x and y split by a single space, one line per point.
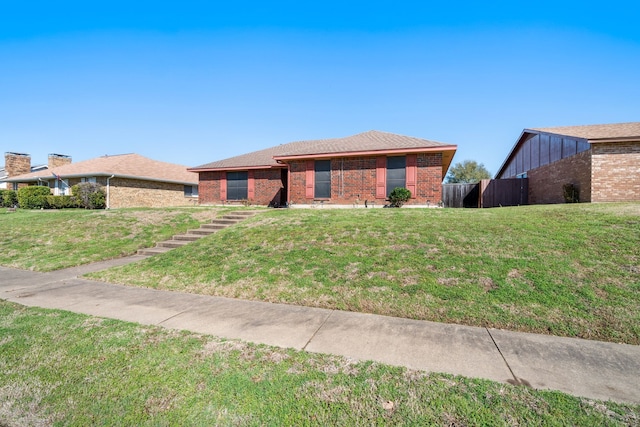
153 251
214 226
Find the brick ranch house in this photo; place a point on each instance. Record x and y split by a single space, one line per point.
342 171
601 161
19 164
130 180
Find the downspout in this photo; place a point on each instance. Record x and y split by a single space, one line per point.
342 177
108 179
288 185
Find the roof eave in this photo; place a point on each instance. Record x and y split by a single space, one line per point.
234 168
367 153
619 139
96 174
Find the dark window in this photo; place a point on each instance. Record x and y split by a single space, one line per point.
322 179
237 185
190 191
396 173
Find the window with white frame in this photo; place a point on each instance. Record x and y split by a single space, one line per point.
190 191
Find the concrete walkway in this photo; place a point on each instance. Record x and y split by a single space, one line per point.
586 368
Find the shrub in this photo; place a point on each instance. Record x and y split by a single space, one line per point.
570 193
62 202
33 197
89 195
399 196
8 198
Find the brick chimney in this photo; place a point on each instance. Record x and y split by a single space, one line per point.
57 160
17 164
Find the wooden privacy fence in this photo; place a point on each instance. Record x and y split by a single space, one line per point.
488 193
504 192
460 195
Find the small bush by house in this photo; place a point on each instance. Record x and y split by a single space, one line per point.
399 196
571 193
89 195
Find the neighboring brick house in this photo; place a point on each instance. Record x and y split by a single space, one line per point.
17 164
130 180
341 171
601 161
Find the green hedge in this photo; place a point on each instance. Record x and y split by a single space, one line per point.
62 202
34 197
8 198
85 195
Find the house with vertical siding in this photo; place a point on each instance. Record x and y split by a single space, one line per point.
601 161
347 171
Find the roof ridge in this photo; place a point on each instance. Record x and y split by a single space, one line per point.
585 126
594 132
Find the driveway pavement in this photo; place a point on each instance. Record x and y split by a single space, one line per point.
592 369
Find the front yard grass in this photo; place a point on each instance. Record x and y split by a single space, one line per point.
569 270
61 368
50 240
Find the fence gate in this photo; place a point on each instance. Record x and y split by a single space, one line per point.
504 192
460 195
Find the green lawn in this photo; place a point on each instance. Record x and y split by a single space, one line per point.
59 368
50 240
570 270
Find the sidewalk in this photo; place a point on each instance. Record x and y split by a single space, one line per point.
586 368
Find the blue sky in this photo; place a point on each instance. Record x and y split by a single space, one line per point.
191 82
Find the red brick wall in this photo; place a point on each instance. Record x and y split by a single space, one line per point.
297 182
545 183
429 188
616 172
354 178
267 182
209 187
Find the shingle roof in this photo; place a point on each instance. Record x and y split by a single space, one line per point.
122 165
363 142
262 158
597 132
